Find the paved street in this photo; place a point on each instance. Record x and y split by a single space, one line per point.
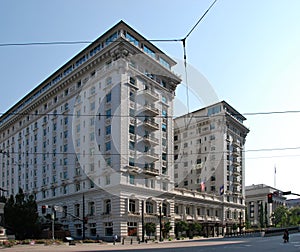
273 244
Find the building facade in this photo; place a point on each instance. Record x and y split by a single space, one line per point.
96 140
257 203
209 157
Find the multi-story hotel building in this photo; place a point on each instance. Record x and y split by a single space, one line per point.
209 156
96 140
96 128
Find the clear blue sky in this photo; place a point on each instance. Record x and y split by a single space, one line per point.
249 51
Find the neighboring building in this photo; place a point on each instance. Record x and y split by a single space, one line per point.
209 156
96 140
256 197
292 203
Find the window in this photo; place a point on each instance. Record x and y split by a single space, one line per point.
91 208
164 127
77 210
132 39
131 112
131 161
108 130
92 136
93 89
132 206
65 211
108 113
108 146
149 51
107 206
132 229
132 96
108 81
131 129
131 179
108 97
108 161
131 145
149 207
164 113
132 80
107 179
77 186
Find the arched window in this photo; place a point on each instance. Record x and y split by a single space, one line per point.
107 206
149 207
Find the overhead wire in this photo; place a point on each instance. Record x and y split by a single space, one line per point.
158 116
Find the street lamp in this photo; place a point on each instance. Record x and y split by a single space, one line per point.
160 223
143 223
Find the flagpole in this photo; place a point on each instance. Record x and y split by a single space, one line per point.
274 176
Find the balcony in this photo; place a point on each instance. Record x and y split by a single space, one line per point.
150 139
236 143
236 192
236 182
235 162
236 172
150 94
150 156
133 213
150 171
132 169
151 124
235 153
149 109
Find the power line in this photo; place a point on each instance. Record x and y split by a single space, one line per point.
142 153
200 19
158 116
75 42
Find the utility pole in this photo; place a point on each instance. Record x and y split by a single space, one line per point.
160 223
143 224
83 218
53 220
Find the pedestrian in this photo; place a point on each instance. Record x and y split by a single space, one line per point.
115 238
286 236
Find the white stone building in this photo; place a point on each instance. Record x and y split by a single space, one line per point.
96 140
209 157
257 197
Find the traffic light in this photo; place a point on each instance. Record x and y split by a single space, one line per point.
270 197
44 209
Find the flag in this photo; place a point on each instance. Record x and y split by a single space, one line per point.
222 190
202 186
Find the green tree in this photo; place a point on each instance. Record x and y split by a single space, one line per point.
294 216
150 228
280 216
266 215
180 228
166 229
261 215
247 222
195 228
21 216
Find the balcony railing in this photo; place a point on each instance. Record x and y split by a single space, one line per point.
151 124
